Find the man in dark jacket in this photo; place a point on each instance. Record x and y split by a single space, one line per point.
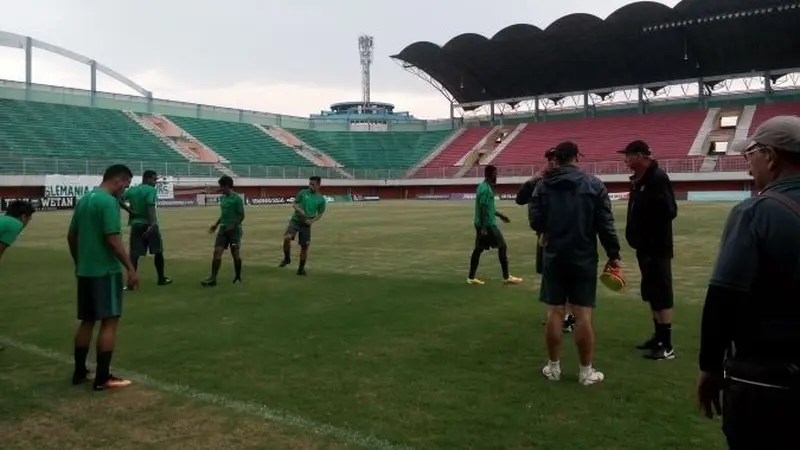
651 210
571 208
523 198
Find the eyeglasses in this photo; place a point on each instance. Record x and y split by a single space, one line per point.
748 153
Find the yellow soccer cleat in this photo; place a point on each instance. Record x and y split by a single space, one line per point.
475 281
513 280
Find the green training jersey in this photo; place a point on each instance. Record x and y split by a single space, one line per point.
141 198
10 228
96 216
231 209
484 200
312 204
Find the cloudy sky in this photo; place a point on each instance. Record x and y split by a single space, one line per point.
284 56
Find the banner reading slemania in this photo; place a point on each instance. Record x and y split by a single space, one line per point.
78 185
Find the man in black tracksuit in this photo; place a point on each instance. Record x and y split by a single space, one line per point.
572 209
523 198
651 210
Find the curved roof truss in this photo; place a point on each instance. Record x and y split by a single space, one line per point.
27 43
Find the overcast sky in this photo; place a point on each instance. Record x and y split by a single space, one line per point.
283 56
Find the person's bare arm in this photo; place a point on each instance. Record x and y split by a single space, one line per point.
3 248
72 240
115 242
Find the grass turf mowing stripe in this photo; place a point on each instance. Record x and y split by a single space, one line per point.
253 409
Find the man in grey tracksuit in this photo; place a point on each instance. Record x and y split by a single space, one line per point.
572 209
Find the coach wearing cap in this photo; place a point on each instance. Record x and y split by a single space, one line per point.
752 307
651 210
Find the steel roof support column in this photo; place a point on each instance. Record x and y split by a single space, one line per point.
701 93
28 66
536 109
640 92
768 88
491 113
452 116
93 80
586 104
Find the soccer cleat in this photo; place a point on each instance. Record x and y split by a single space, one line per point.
552 373
590 377
569 324
112 383
285 263
649 344
165 281
301 272
512 280
81 376
661 354
475 281
237 280
127 288
209 282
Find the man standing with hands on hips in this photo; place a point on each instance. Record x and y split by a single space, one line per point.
651 210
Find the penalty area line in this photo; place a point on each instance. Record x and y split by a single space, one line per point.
253 409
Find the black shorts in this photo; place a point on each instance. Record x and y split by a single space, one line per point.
141 245
564 282
656 285
100 298
492 239
226 240
301 230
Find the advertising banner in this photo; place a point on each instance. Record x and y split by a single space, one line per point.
615 196
78 185
261 201
176 203
43 203
366 198
433 197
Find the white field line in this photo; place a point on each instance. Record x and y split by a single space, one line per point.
252 409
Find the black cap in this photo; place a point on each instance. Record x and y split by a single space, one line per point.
566 150
550 153
636 148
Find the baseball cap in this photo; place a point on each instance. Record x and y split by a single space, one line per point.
637 147
566 150
550 153
779 132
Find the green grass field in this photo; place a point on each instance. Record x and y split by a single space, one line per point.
383 345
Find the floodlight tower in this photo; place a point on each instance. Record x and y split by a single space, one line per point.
365 51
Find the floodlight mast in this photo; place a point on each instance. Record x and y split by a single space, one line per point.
365 47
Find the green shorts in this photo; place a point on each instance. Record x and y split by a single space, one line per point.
492 239
100 298
301 230
230 240
141 245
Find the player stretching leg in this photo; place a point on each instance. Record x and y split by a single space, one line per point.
309 207
17 216
487 233
230 231
97 250
145 235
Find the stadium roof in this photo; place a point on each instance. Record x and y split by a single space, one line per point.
641 43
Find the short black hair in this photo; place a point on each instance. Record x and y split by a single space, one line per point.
315 178
225 181
489 170
19 208
149 174
117 170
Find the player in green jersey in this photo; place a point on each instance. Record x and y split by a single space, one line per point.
145 235
229 235
487 233
18 214
97 250
309 207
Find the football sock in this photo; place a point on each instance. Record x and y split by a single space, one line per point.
215 268
302 264
503 255
135 262
286 255
655 328
474 260
585 370
159 263
237 266
80 358
664 335
103 367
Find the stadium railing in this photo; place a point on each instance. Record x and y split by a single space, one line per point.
11 164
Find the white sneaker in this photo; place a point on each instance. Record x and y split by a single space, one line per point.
552 373
590 377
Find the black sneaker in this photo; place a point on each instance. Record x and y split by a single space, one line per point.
237 280
650 344
81 376
661 354
127 288
164 281
209 282
569 324
285 263
301 272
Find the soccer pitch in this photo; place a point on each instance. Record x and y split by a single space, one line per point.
383 345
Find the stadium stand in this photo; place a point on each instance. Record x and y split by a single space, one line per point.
251 152
376 150
54 138
458 148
